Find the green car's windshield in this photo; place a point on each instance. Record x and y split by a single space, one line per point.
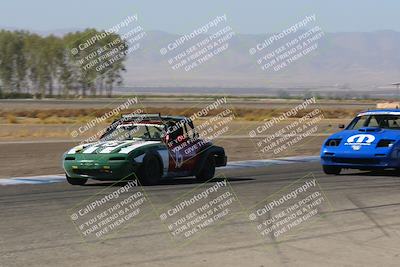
134 131
381 121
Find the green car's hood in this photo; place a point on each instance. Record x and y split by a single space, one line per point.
111 147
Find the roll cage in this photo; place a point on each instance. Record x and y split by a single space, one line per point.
175 126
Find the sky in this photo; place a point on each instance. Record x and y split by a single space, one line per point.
179 16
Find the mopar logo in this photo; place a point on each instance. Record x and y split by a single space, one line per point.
356 141
361 138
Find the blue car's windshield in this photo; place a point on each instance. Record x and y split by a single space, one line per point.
381 121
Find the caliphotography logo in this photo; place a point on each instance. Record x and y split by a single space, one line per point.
212 133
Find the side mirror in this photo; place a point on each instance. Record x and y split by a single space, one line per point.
341 126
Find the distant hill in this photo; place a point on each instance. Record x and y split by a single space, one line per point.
342 60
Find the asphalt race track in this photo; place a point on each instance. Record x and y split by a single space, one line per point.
361 227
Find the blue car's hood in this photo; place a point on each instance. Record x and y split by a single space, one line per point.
366 138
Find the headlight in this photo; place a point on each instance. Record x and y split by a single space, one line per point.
333 142
385 143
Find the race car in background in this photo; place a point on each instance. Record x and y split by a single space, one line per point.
371 141
147 146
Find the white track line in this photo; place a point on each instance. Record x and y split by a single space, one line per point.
42 179
245 164
82 140
267 162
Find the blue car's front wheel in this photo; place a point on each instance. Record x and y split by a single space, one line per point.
331 169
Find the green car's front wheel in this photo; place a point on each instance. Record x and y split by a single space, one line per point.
76 181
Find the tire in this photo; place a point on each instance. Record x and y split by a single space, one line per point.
207 172
331 170
151 170
75 181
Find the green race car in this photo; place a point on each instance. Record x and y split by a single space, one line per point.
149 147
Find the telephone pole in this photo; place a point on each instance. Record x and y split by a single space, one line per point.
398 87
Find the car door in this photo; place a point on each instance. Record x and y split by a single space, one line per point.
182 149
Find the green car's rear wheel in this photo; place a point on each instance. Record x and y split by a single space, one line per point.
76 181
208 169
151 170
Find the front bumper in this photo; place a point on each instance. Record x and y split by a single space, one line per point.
98 170
376 159
358 163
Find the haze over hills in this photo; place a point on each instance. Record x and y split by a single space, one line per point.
356 61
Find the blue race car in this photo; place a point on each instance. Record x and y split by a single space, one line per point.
370 142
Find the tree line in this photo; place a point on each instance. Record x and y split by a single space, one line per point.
76 64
